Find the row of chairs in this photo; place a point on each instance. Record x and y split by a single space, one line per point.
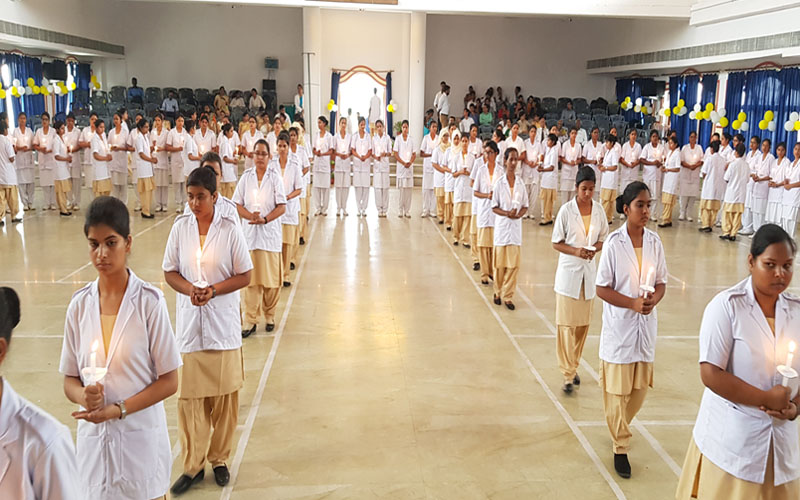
155 95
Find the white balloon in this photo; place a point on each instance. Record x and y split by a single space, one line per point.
697 107
15 82
637 108
794 116
638 101
50 88
45 82
57 90
722 112
771 126
683 110
692 115
28 90
744 127
788 126
714 116
392 102
21 90
335 108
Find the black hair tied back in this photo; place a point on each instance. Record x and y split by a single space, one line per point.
9 311
632 190
767 235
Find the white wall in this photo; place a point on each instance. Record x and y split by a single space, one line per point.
201 45
545 56
379 40
86 18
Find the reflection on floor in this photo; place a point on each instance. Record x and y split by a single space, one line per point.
392 375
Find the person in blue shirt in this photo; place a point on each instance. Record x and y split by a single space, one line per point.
135 93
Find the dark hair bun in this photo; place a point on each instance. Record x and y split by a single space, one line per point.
9 311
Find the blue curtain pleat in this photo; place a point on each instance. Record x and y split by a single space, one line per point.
708 95
14 62
733 99
389 117
685 87
335 96
785 103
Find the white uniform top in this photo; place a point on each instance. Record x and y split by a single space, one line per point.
610 159
160 151
37 456
508 231
672 179
20 139
517 144
652 173
100 146
475 148
736 176
342 145
452 159
119 158
439 157
226 151
62 168
778 174
71 138
690 179
791 197
484 183
216 325
462 192
381 145
322 145
593 151
430 146
205 142
249 140
550 179
533 152
144 167
225 206
735 337
713 171
177 139
630 154
125 459
87 134
272 140
8 174
404 149
189 148
362 145
727 153
573 272
569 173
763 169
270 194
292 179
46 160
627 336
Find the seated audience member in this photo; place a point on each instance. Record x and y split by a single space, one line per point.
135 92
568 113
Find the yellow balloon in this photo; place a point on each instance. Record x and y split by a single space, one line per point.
709 107
736 124
14 92
627 99
94 78
769 115
330 105
31 82
723 122
762 124
742 116
667 112
644 111
72 86
797 125
45 91
36 90
681 103
3 94
97 85
706 115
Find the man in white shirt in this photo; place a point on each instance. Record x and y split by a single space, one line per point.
444 107
374 111
299 102
170 107
436 97
581 133
466 123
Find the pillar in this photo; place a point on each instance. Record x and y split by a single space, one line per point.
312 55
416 75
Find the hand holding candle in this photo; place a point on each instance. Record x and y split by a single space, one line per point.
789 374
200 283
649 287
93 374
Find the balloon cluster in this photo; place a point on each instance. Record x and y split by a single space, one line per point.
46 88
793 123
740 123
332 106
680 109
95 83
768 123
392 107
638 106
709 114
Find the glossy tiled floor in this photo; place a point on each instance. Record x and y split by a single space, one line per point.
391 374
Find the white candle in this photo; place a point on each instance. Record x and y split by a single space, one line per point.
790 355
589 236
199 256
651 275
255 199
93 363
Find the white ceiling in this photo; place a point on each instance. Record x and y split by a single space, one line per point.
661 9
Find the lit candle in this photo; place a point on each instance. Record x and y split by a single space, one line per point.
199 256
651 277
790 355
255 199
202 149
93 363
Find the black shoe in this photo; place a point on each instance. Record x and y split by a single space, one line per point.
465 245
449 228
709 229
455 243
731 238
2 223
16 221
286 283
703 229
576 380
545 223
291 266
247 333
63 214
221 475
484 282
668 224
510 306
183 483
497 300
622 466
302 241
151 216
476 266
724 237
567 388
270 327
441 222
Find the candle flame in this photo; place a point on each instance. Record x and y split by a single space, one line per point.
792 346
95 345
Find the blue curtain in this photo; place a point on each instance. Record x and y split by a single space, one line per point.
763 91
14 62
389 117
787 101
709 94
335 96
632 87
32 68
733 99
683 87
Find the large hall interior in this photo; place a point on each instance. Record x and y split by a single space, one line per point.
447 250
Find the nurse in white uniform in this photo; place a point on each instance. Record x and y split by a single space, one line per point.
43 141
462 194
117 142
122 322
713 174
777 180
489 170
176 140
671 186
430 188
745 441
752 160
341 168
631 281
72 140
206 263
288 165
762 178
570 157
36 451
381 152
404 155
249 139
158 139
361 152
652 159
791 194
531 157
438 162
101 158
691 162
322 151
629 161
23 146
449 180
578 234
